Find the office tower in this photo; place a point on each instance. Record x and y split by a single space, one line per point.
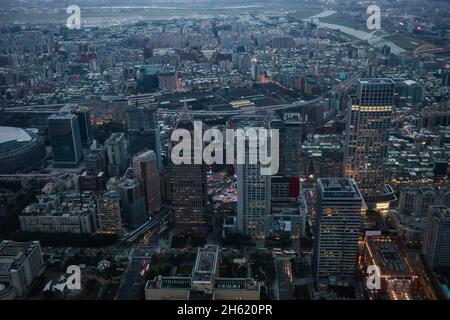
94 177
95 159
109 218
255 70
133 202
253 191
20 264
436 241
189 191
116 146
143 131
146 172
367 136
292 131
64 133
84 121
339 206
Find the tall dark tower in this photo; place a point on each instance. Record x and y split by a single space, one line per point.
143 131
367 136
189 190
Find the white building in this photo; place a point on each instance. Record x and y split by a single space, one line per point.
20 264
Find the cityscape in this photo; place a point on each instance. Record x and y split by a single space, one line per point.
225 150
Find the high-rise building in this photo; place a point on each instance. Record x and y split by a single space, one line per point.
143 131
292 130
95 177
189 191
84 121
95 158
253 191
133 202
339 206
65 139
145 170
436 241
367 136
109 218
116 146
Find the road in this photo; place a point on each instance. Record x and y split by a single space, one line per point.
284 279
150 226
133 282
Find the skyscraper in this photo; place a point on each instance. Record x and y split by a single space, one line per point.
65 139
436 241
292 129
189 191
143 131
133 202
84 121
367 136
146 172
116 146
109 218
253 191
339 205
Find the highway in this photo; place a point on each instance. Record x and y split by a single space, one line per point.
148 226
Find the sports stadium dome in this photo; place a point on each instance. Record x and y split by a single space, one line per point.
19 149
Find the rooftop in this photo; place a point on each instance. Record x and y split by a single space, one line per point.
339 188
205 264
387 254
13 134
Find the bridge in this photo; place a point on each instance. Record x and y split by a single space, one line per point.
429 49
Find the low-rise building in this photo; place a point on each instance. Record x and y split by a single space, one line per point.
398 279
64 212
204 284
20 264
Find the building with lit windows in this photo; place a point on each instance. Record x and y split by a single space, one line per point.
189 191
398 279
109 217
253 190
367 136
338 221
